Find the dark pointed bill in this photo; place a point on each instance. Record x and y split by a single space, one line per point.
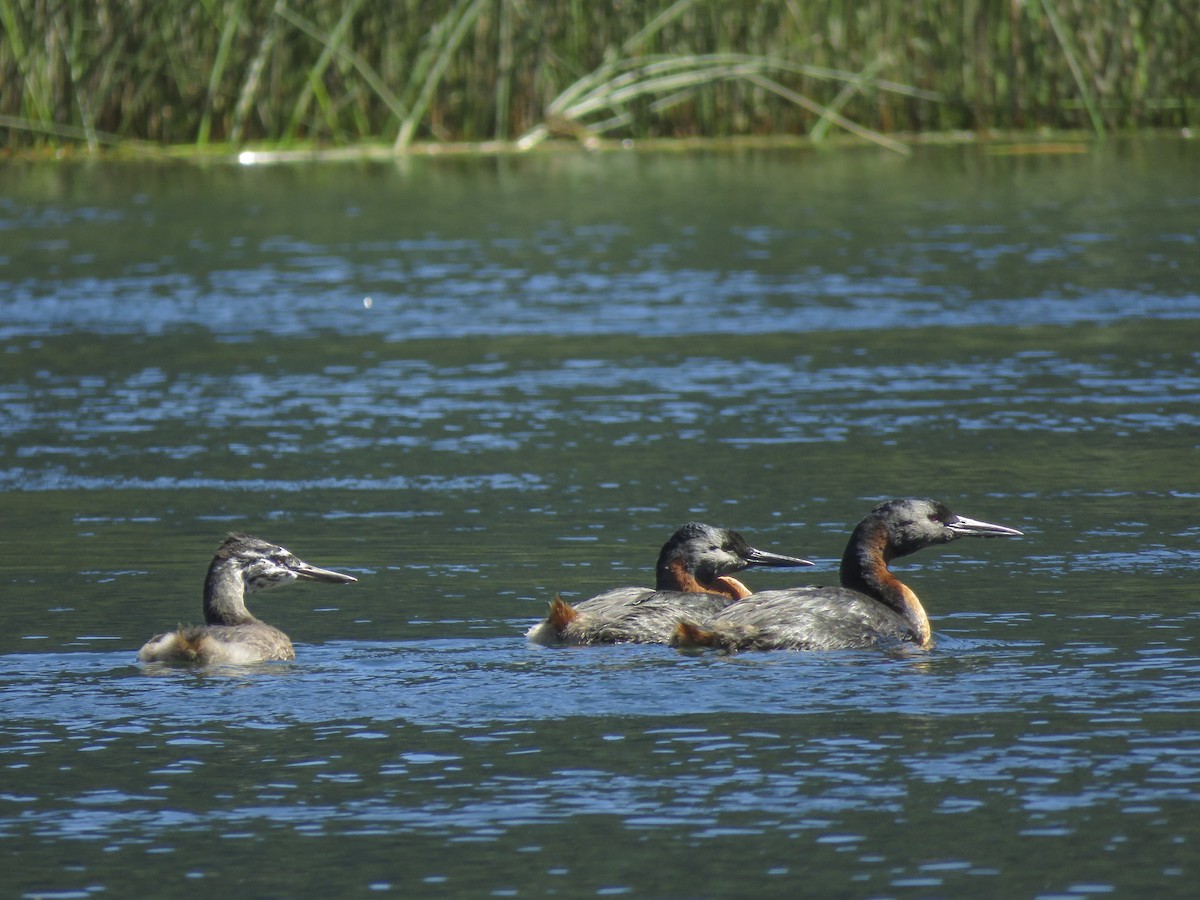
974 528
765 559
312 573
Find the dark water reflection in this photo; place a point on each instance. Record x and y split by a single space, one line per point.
473 384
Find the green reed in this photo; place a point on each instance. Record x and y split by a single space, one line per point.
285 71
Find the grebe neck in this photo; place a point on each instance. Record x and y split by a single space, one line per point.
865 569
225 596
674 575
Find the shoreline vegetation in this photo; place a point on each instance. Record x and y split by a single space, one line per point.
268 80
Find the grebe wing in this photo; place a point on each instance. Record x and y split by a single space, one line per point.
818 618
614 602
625 616
653 619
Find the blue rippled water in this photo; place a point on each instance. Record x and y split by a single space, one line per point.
475 384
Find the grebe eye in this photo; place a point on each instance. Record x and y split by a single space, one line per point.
934 517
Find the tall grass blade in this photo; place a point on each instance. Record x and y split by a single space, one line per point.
233 19
805 103
315 75
74 133
1076 70
254 75
454 37
817 134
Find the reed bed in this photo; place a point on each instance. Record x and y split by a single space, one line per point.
284 72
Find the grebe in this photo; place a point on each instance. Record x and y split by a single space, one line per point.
230 634
692 577
871 607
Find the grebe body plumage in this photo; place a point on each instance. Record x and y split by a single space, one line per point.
693 577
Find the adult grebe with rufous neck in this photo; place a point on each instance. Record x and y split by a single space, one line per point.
871 607
692 577
230 633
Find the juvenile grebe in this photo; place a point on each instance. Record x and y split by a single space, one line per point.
692 577
871 607
230 634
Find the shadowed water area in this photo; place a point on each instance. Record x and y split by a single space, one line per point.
475 383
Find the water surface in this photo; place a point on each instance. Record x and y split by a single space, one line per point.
475 383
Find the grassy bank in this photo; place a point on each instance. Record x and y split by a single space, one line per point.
283 71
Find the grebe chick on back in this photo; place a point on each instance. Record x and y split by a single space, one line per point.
692 577
871 607
230 634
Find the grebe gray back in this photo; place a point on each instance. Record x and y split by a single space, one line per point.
692 577
871 607
230 634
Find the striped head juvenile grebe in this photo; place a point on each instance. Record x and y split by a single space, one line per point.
230 633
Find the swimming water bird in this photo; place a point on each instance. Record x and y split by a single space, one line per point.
872 606
230 633
692 577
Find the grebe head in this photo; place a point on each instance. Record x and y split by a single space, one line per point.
911 523
262 565
707 553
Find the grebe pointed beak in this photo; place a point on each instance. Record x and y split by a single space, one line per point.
764 559
965 527
312 573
